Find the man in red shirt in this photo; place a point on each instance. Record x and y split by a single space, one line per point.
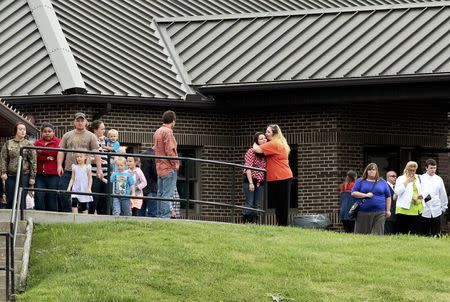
164 144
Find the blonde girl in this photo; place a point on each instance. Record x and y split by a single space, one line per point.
139 181
81 181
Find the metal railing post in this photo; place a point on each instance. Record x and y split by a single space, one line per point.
265 200
187 187
233 193
109 185
16 186
7 268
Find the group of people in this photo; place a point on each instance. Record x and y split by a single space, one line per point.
269 151
409 204
72 171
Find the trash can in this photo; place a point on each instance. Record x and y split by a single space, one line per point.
312 221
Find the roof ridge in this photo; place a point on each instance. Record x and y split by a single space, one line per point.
55 42
379 7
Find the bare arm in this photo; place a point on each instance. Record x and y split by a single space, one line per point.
98 163
257 148
357 194
251 185
388 207
133 190
59 161
72 179
89 181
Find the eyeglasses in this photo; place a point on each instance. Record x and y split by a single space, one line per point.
393 176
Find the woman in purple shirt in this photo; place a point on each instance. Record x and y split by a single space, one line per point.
375 200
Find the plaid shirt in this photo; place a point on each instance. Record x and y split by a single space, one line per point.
252 160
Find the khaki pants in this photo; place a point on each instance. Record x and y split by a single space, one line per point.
370 223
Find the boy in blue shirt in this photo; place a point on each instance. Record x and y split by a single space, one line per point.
123 184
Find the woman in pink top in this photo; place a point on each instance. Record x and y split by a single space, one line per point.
254 180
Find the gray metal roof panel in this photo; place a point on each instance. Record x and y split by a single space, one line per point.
116 50
120 52
322 44
25 67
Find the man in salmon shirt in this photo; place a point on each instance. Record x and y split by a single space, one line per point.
166 145
279 174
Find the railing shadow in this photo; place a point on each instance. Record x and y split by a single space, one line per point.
18 208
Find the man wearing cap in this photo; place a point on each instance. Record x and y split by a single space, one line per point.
78 139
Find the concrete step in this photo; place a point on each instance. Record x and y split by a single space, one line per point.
5 226
20 239
3 279
18 254
17 268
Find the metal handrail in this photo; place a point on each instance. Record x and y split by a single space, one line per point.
17 207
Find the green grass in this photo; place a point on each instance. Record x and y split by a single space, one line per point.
166 261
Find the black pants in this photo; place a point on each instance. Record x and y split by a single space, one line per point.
389 227
430 226
408 224
279 195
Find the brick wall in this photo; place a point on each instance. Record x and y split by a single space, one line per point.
330 140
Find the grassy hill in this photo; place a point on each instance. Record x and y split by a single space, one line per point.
184 261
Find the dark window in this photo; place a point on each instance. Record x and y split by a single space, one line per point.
293 163
192 173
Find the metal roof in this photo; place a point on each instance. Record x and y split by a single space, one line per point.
25 67
354 42
158 49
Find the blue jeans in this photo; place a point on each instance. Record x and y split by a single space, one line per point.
149 207
46 201
166 189
253 198
121 206
65 200
10 185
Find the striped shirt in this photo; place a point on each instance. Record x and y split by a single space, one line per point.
253 160
101 143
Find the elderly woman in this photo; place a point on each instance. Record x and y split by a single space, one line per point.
375 201
409 207
9 161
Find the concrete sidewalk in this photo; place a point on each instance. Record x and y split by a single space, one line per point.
58 217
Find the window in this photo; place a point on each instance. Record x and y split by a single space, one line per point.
193 152
293 163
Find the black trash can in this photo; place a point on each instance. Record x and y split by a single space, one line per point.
312 221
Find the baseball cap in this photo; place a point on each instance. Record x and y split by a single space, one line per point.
80 114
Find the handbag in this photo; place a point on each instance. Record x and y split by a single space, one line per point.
353 212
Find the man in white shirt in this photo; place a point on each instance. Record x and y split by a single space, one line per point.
435 200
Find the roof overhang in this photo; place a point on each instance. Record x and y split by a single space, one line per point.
9 117
190 101
321 92
323 83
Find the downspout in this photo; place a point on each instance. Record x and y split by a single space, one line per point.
55 42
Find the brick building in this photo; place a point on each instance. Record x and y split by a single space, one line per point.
348 83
